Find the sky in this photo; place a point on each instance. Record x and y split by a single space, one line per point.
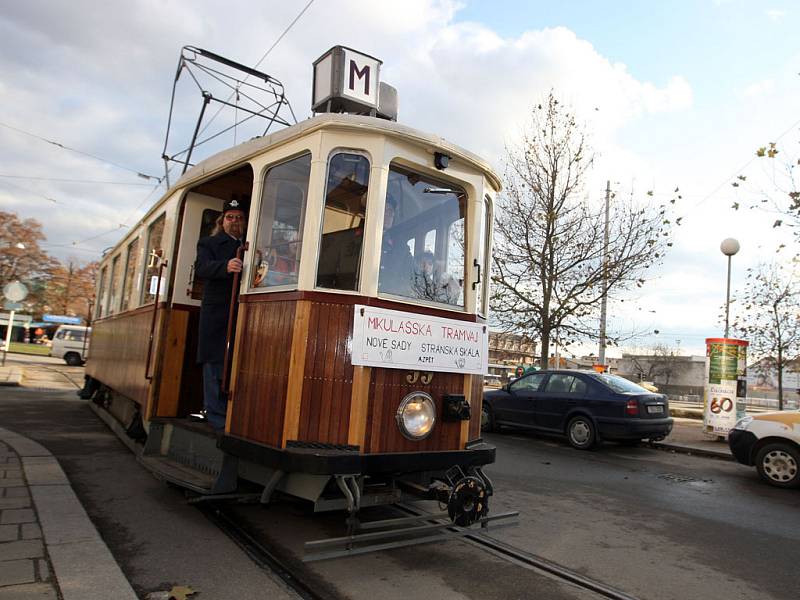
673 94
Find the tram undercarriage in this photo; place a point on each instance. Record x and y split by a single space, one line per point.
212 467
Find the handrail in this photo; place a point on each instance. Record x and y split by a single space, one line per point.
234 292
162 263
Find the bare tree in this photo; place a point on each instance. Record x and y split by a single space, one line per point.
71 288
21 257
768 316
548 270
774 188
662 363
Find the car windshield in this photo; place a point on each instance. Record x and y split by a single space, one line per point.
620 384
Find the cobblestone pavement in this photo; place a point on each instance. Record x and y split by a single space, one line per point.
25 570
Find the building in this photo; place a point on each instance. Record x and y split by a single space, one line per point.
507 351
671 373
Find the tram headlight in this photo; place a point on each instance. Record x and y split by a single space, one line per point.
416 415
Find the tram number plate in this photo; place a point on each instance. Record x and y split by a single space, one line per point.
655 409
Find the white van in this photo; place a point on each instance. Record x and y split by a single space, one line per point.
71 342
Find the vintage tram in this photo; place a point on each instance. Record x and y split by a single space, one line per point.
360 339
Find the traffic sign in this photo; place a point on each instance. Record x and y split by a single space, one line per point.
12 305
62 319
15 291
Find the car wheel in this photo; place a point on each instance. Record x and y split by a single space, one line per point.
779 465
73 359
581 433
487 418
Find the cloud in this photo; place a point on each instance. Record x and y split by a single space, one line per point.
775 14
759 88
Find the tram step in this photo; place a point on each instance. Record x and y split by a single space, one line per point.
176 472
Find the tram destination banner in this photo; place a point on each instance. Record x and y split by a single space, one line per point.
401 340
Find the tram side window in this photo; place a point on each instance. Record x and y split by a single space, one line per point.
343 222
130 273
431 213
483 255
155 234
101 293
280 225
114 286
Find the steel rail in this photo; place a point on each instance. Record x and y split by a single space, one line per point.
513 554
258 553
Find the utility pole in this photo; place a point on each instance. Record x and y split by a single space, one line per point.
604 301
68 288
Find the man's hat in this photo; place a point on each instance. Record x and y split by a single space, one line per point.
235 203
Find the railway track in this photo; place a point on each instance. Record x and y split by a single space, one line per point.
532 561
287 570
261 555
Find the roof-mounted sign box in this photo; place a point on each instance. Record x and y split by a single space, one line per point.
346 81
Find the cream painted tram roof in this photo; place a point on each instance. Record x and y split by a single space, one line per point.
247 150
221 161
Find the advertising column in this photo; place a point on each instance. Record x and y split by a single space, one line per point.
724 397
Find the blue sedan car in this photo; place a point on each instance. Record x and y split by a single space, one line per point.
585 406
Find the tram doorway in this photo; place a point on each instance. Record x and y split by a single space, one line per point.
201 208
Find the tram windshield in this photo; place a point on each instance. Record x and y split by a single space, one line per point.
279 240
422 251
343 222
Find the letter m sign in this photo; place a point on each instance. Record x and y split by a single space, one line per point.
360 78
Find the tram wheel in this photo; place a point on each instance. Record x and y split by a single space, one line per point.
468 501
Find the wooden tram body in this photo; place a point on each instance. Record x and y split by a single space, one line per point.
302 418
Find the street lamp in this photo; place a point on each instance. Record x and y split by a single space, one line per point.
729 247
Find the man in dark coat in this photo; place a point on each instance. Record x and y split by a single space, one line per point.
216 264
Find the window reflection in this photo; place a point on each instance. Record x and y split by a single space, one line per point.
422 252
130 271
343 222
154 235
279 239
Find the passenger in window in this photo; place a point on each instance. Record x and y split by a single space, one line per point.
216 265
432 282
397 264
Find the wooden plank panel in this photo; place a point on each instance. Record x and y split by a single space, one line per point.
328 375
388 387
297 362
476 406
119 353
172 364
359 406
262 372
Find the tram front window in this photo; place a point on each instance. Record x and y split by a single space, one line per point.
343 222
279 239
422 252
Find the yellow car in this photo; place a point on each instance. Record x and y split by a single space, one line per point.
771 442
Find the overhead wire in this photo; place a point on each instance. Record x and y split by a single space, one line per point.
270 49
81 152
63 180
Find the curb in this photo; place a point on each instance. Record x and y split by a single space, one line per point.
13 378
686 413
82 564
692 450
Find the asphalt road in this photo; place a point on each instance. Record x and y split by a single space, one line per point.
655 524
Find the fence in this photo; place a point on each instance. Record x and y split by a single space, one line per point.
765 403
